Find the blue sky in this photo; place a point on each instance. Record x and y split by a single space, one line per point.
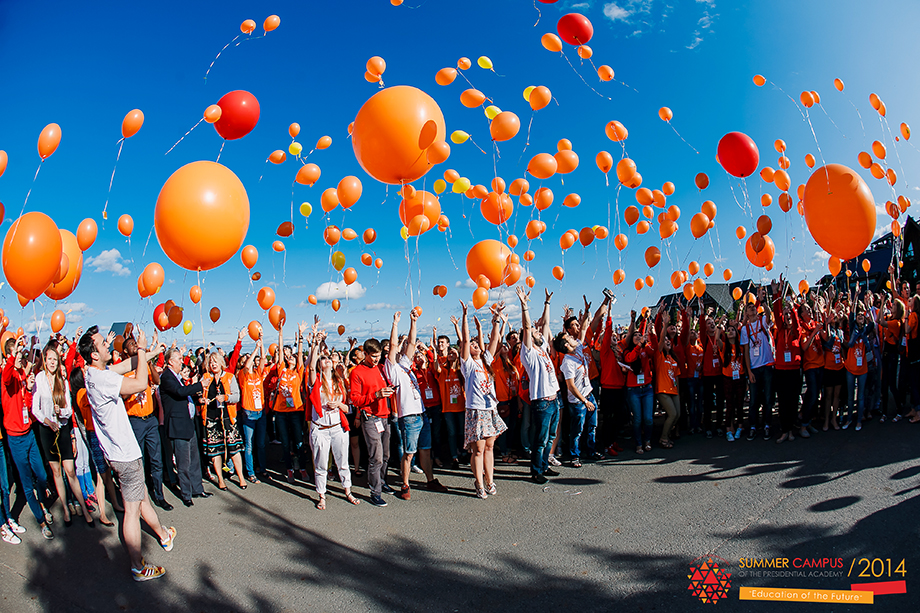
85 66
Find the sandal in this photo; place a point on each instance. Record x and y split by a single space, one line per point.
666 444
351 498
321 503
222 488
253 480
640 450
648 446
106 523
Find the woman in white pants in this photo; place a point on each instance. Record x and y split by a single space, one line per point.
328 425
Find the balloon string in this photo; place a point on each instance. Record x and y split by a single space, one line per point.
527 144
218 55
480 148
791 99
121 143
539 13
896 153
22 212
183 136
582 78
446 242
264 166
200 312
815 136
219 153
144 254
683 139
821 106
858 114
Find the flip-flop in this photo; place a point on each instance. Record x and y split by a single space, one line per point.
351 498
107 524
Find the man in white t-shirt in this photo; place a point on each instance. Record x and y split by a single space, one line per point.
414 425
104 390
581 400
544 388
757 341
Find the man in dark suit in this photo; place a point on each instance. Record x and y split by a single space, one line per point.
179 415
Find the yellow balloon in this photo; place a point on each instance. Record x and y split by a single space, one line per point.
338 260
306 208
492 111
459 136
527 92
295 148
404 233
485 63
439 186
461 185
187 327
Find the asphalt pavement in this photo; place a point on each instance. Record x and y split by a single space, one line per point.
620 534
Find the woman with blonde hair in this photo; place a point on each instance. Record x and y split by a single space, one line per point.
52 409
222 440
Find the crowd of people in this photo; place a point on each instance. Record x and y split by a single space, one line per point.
116 419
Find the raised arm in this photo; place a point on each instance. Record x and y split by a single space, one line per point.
410 349
393 351
526 333
545 317
314 356
300 330
496 336
599 314
464 334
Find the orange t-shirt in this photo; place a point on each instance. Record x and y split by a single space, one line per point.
287 397
694 360
856 359
141 403
451 388
252 389
833 359
736 365
505 382
891 329
813 357
85 410
666 371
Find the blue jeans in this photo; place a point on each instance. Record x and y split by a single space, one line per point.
545 417
454 423
4 487
31 471
290 431
814 381
526 427
583 424
693 400
641 402
761 396
859 382
414 433
253 423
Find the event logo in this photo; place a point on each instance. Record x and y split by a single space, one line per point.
708 581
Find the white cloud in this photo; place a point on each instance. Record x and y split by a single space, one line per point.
329 291
705 21
711 3
614 12
822 255
109 260
697 39
582 5
469 283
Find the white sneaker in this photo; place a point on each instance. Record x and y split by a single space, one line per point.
730 437
7 535
553 461
15 527
417 470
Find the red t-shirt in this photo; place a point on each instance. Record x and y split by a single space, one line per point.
365 382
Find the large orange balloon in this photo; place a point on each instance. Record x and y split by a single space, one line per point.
764 256
421 203
49 140
505 126
32 254
71 250
386 133
839 210
202 215
497 208
489 258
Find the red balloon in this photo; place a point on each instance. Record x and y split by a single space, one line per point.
239 114
575 29
738 154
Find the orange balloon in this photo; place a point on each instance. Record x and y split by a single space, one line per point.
32 254
132 123
708 269
174 316
329 200
586 236
759 80
631 215
558 272
57 321
266 298
604 161
702 181
480 297
642 227
665 114
709 209
807 99
471 98
619 275
202 215
605 72
781 180
376 65
649 281
764 225
212 113
542 166
153 277
348 191
540 96
529 256
249 255
518 187
571 201
442 291
255 330
566 161
386 133
247 26
278 246
86 234
616 131
626 170
331 235
727 274
271 22
438 152
764 256
445 76
294 130
601 232
67 282
543 198
566 240
766 200
639 284
49 140
780 145
699 225
810 160
194 294
652 256
693 267
676 279
621 241
276 317
833 266
488 258
644 196
141 290
530 281
125 225
584 52
879 150
277 157
673 212
424 204
378 263
308 174
350 275
865 265
551 42
839 211
667 188
370 235
699 287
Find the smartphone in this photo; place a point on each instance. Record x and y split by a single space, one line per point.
609 294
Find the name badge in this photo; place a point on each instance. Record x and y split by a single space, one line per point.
640 379
257 405
488 401
715 361
696 374
379 425
25 415
787 356
836 358
904 342
454 399
755 351
428 394
858 361
736 374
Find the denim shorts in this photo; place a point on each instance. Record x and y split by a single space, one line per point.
415 431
